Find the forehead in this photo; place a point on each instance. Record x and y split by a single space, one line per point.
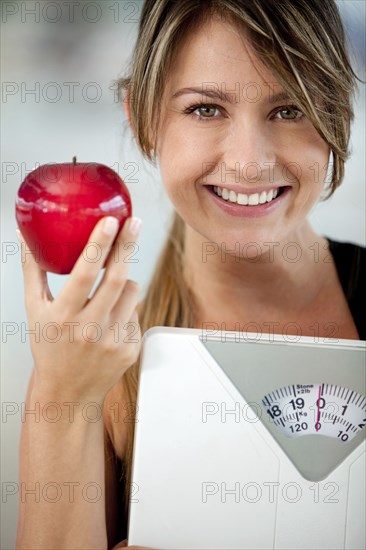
218 52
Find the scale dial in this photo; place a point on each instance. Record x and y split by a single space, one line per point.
322 409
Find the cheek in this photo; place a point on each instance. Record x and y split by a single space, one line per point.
183 145
182 159
311 168
314 169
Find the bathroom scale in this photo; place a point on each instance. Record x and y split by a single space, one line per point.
248 441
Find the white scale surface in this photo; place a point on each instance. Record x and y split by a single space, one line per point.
212 470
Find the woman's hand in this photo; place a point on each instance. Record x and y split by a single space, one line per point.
81 346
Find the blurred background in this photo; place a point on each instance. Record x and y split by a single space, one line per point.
59 60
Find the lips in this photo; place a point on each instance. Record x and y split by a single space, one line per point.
249 210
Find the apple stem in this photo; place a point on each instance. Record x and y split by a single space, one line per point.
74 160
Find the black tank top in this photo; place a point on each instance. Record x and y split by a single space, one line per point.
350 262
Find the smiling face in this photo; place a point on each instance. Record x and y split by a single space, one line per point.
242 141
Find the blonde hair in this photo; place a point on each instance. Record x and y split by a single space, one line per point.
303 45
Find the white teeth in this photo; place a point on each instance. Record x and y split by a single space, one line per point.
263 197
254 199
232 196
241 198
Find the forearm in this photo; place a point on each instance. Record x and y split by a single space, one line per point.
63 466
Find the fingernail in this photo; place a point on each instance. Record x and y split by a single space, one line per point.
134 226
18 235
110 225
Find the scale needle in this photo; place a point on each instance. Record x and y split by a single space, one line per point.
318 415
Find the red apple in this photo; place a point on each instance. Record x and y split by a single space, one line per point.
58 205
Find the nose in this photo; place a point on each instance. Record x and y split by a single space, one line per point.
248 151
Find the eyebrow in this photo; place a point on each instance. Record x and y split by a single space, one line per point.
228 97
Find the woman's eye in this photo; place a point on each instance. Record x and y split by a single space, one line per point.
207 111
290 112
202 111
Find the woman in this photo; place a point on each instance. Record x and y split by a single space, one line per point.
254 99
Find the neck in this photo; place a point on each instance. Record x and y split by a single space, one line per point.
272 278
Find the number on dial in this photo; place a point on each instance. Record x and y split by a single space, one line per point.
324 409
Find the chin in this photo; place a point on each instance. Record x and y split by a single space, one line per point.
241 244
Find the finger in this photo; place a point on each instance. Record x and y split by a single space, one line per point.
114 279
35 278
126 304
78 286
